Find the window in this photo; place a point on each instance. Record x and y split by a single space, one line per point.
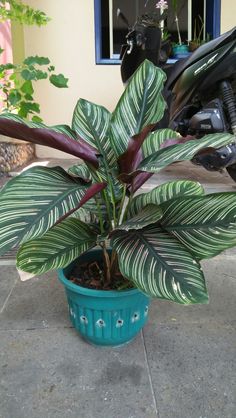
110 32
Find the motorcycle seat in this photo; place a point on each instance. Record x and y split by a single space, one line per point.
200 52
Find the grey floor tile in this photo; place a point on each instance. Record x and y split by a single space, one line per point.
37 303
191 349
221 283
53 373
8 278
193 370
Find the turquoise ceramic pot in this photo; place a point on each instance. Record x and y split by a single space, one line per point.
104 318
181 51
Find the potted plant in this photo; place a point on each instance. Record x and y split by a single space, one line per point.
180 50
198 34
147 245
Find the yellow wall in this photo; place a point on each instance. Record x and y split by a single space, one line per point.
228 15
18 47
68 40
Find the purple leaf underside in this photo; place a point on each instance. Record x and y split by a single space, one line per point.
49 138
131 158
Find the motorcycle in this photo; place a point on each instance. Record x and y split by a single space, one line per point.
200 90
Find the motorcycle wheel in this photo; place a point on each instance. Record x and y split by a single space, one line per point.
232 171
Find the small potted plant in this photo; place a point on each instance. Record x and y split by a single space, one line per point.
198 34
143 245
180 50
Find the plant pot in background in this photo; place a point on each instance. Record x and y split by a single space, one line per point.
180 51
14 153
104 317
193 46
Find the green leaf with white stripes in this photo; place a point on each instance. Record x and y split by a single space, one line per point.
57 248
206 225
34 201
148 215
155 139
140 105
159 265
91 122
110 176
163 193
182 152
80 170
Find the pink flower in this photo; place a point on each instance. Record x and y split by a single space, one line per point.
162 4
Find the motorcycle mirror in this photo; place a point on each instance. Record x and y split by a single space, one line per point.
121 16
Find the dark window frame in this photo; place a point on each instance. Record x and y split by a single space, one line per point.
212 27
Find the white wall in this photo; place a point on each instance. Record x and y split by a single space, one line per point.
69 42
228 15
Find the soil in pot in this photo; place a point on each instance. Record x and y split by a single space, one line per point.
92 276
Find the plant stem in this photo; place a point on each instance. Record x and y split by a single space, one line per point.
127 207
113 201
107 263
99 214
177 25
113 263
121 205
105 198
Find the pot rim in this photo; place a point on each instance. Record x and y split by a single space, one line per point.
94 292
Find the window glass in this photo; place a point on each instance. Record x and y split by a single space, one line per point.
111 31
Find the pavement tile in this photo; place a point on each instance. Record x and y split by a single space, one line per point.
37 303
221 283
191 350
53 373
9 277
192 370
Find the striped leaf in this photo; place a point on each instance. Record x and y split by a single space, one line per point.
155 140
59 137
183 152
159 265
57 248
84 215
140 105
81 171
91 122
206 225
111 176
92 207
148 215
163 193
34 201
